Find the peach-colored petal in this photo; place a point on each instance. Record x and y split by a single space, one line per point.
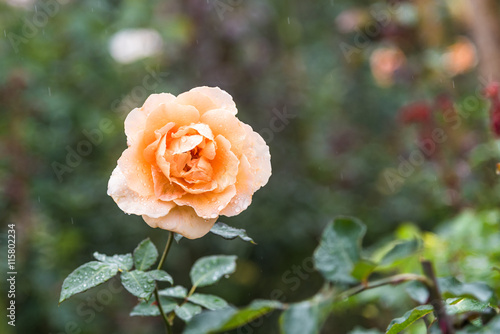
184 144
132 203
166 113
164 189
200 101
182 220
200 128
257 153
154 100
245 188
208 205
201 171
220 97
225 164
195 188
134 125
209 150
222 122
137 170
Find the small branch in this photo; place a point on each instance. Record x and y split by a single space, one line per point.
392 280
436 300
156 293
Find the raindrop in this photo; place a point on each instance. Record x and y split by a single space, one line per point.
220 207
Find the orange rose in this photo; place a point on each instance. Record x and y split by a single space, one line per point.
189 160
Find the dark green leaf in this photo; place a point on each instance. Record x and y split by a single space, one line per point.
399 324
465 305
161 275
138 283
209 321
187 311
210 269
85 277
228 232
305 317
176 292
255 310
145 255
451 287
417 291
492 327
210 302
339 249
150 308
124 262
401 251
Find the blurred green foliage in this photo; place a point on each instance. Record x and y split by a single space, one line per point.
59 81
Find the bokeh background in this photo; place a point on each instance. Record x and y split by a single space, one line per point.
346 94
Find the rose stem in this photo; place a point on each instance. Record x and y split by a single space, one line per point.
157 296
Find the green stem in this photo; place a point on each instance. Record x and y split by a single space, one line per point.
392 280
168 324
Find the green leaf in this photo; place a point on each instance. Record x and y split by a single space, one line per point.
145 255
255 310
339 249
360 330
306 317
451 287
492 327
150 308
85 277
417 291
176 292
230 233
363 269
399 324
161 275
187 311
209 321
124 262
210 269
138 283
400 251
465 305
210 302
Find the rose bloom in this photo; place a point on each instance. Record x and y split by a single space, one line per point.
189 160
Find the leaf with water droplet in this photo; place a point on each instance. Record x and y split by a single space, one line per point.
85 277
228 232
176 292
210 269
124 262
161 275
209 302
150 308
145 255
138 283
187 311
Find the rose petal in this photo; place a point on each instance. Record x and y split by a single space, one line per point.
184 144
154 100
225 164
132 203
208 205
245 187
220 99
164 189
200 128
134 125
166 113
258 156
222 122
182 220
195 188
137 170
